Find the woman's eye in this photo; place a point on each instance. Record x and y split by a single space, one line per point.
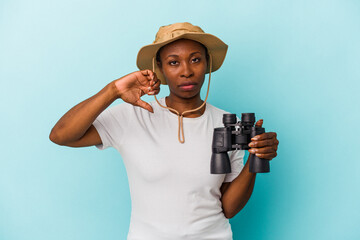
172 63
196 60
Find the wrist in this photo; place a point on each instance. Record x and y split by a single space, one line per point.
118 86
247 168
112 91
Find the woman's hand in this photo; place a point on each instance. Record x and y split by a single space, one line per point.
264 145
134 85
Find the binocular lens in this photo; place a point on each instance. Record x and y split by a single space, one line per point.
248 118
229 118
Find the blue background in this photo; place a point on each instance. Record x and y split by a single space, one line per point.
294 63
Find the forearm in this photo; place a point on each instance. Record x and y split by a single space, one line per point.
73 125
239 192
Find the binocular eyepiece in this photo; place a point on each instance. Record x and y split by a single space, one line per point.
236 135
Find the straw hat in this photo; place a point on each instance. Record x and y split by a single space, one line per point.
172 32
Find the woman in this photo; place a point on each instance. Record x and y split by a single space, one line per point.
173 194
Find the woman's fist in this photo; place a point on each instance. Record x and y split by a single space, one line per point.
264 145
133 86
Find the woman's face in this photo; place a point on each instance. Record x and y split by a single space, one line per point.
183 64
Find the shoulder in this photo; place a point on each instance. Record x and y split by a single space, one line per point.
215 114
121 108
128 110
125 111
215 110
219 112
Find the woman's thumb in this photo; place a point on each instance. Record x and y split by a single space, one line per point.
259 123
144 105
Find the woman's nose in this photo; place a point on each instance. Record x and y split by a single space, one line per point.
186 70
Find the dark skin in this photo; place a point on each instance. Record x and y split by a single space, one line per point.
185 61
182 61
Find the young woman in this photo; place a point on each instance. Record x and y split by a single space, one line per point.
166 144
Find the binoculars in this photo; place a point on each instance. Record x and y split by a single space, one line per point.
236 135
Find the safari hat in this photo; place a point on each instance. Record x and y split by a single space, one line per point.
169 33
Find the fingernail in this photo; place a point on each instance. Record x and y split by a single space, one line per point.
149 88
251 144
251 150
255 138
152 92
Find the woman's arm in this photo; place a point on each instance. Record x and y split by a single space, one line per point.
77 121
75 128
238 192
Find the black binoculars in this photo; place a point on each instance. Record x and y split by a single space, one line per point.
236 135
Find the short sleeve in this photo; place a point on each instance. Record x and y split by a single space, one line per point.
100 126
111 125
237 164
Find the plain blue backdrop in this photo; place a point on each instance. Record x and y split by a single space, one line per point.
294 63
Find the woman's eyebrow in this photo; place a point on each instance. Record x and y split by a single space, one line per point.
173 55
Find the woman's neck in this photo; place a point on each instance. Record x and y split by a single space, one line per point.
181 105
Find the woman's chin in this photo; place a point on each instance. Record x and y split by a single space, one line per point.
188 94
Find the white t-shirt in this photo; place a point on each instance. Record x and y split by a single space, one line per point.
173 194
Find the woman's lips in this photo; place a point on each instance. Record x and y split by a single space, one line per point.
188 86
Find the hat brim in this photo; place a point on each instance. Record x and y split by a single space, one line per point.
214 45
